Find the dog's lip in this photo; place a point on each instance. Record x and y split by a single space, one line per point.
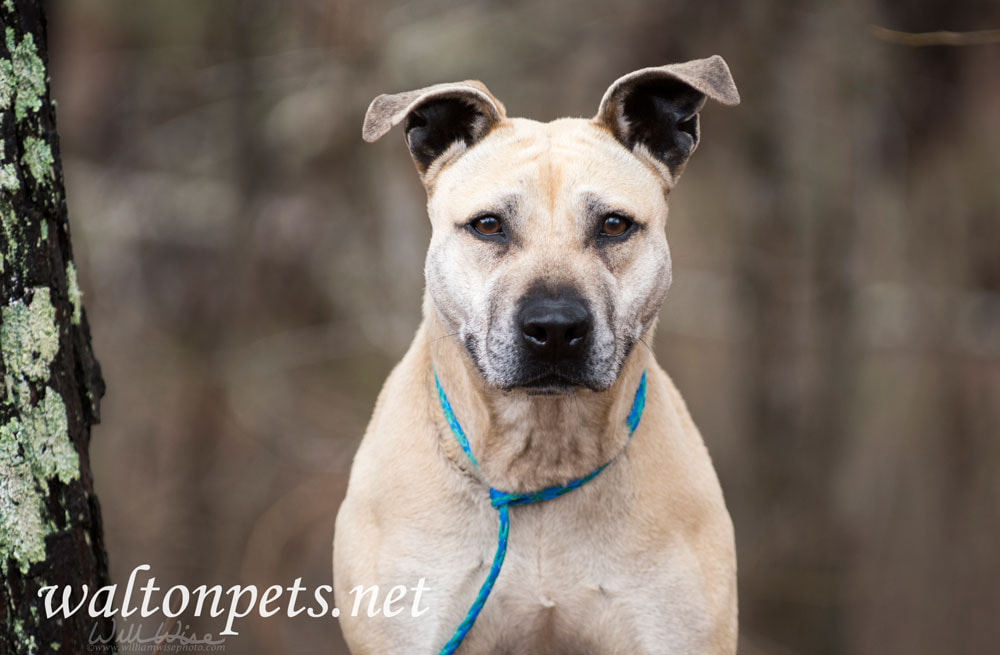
548 385
551 390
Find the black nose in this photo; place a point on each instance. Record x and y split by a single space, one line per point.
555 327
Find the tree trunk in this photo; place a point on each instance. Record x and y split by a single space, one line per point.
50 522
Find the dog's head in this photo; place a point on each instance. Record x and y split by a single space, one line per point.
549 259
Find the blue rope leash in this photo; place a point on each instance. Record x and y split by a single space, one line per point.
502 500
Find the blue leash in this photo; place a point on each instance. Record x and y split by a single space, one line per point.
501 500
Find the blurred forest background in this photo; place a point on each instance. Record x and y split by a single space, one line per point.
252 271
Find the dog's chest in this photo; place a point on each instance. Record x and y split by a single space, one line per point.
567 587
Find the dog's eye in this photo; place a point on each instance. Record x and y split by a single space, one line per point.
487 226
615 226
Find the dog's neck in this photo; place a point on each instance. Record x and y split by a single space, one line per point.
525 442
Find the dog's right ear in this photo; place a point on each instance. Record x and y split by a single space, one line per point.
442 121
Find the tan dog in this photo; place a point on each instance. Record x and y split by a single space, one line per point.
546 270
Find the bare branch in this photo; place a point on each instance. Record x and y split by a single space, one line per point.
922 39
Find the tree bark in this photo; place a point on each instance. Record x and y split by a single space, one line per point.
50 522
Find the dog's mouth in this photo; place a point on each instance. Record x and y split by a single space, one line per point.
513 370
550 384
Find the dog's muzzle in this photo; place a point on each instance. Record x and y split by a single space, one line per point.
555 330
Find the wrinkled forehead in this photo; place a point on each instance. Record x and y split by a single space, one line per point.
548 168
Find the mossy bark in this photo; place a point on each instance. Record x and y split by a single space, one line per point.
50 525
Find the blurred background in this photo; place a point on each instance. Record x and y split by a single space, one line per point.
252 270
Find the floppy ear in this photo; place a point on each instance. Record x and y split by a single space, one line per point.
437 118
656 109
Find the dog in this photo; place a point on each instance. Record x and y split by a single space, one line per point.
546 270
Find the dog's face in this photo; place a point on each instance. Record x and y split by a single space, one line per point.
549 258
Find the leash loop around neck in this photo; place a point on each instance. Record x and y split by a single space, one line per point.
502 500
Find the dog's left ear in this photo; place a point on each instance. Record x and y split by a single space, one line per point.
654 111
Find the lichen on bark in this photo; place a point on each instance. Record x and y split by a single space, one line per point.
29 340
8 174
35 446
38 159
75 295
26 74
